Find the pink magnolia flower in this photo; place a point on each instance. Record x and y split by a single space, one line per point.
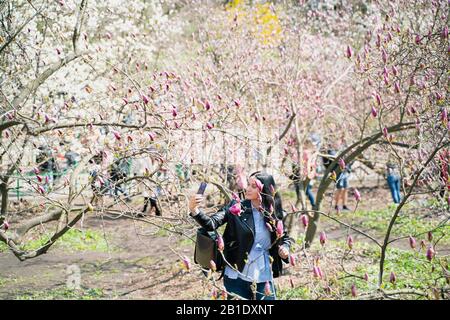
280 228
235 209
5 225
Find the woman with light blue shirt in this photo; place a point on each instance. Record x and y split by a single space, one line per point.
255 240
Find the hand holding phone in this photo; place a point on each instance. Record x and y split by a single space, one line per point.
201 189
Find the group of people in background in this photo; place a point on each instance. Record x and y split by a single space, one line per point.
315 161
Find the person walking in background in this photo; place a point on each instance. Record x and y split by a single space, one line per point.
393 180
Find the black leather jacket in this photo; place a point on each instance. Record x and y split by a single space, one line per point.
239 235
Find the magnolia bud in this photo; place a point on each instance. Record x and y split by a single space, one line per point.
187 263
444 33
384 55
212 265
220 244
430 236
395 70
292 260
397 87
341 163
6 225
305 220
357 195
412 242
349 52
280 228
117 135
354 293
269 227
430 253
392 278
374 112
323 238
41 190
385 132
350 241
366 276
145 99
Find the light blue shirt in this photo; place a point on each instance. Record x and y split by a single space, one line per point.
258 266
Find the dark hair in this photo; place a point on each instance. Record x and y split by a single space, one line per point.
266 195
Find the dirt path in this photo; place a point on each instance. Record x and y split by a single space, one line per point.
136 267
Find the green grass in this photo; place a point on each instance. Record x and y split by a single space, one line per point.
63 294
73 240
3 247
408 223
411 267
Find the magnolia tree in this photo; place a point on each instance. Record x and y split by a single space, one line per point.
245 90
382 96
76 77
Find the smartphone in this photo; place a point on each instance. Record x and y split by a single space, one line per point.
201 189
